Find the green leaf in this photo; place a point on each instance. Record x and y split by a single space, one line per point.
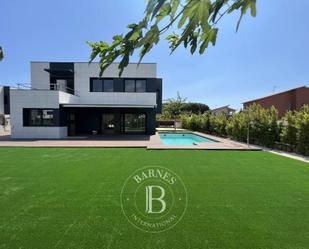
196 21
157 8
175 4
165 11
217 5
209 37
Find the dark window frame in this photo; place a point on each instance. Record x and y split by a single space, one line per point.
27 117
102 80
135 79
123 130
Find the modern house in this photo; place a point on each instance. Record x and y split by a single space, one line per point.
69 99
289 100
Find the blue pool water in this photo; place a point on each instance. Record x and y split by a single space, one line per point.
183 139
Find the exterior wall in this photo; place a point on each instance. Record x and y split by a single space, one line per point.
283 102
84 71
39 78
302 97
1 100
117 99
66 98
33 99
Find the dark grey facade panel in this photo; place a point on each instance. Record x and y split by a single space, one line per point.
61 70
6 93
118 84
155 85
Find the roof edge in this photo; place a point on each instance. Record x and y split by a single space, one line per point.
268 96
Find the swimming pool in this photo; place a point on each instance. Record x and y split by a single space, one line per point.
183 139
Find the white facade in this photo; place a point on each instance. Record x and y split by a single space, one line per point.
40 95
1 100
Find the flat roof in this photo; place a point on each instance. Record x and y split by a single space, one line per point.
94 62
107 105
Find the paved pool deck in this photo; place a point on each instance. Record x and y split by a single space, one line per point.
122 141
136 141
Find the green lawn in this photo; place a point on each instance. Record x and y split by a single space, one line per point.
70 198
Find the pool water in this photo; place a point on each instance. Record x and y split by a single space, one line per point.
183 139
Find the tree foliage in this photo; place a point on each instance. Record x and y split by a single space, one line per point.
194 108
191 23
265 128
302 126
173 108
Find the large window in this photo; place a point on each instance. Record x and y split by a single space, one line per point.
134 123
39 117
131 85
97 86
101 85
140 85
108 85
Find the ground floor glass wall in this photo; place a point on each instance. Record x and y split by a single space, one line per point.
134 123
92 121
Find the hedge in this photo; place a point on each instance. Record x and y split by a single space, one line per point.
265 128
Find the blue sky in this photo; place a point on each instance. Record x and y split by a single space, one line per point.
269 50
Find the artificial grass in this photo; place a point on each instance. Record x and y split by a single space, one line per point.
70 198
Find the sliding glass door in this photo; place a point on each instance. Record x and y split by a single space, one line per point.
134 123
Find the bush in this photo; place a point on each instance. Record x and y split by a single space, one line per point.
289 131
302 125
264 127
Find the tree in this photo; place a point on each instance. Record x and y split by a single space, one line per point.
302 124
1 54
195 108
173 107
196 28
289 131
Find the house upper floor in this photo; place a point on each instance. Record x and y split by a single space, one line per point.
137 86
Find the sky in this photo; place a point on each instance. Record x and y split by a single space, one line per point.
269 53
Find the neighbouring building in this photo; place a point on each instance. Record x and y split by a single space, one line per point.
69 99
289 100
223 109
4 107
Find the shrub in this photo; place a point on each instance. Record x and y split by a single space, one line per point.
302 125
264 126
288 133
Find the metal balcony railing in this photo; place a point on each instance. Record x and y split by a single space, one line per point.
61 87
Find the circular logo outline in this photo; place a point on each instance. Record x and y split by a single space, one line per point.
182 214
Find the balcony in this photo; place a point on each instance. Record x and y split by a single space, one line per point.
61 87
114 99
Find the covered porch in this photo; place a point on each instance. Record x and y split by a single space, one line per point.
107 121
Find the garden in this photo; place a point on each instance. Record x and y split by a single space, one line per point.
70 198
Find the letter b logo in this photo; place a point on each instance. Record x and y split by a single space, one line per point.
150 199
